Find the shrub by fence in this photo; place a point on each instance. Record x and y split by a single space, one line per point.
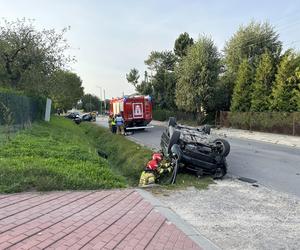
273 122
163 115
184 117
19 111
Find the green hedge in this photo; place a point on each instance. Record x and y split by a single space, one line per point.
162 114
184 117
275 122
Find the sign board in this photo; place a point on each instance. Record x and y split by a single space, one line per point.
137 110
48 110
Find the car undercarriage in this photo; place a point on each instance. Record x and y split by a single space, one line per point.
196 149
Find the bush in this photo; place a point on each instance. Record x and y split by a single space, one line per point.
184 117
162 114
275 122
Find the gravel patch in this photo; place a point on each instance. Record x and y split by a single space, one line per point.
238 215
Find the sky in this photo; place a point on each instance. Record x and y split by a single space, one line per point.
108 38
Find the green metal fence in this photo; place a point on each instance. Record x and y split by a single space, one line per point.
273 122
18 112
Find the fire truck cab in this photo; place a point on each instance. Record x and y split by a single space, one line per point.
135 110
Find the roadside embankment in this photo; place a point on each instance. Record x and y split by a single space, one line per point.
54 156
124 156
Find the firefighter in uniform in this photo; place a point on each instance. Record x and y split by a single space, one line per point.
113 125
154 169
120 124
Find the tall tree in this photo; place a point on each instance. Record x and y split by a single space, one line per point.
133 77
145 87
90 102
157 60
197 74
28 56
164 89
284 93
241 98
66 89
297 75
250 42
182 43
262 85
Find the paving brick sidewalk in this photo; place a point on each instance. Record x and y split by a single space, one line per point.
118 219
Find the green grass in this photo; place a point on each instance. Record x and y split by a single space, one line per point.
61 155
188 180
54 156
125 157
183 181
2 135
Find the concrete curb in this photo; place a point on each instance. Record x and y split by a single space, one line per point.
184 226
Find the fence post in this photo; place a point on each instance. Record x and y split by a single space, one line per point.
294 126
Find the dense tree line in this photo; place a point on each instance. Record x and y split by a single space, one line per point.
251 73
34 62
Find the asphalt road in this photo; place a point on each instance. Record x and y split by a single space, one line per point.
271 165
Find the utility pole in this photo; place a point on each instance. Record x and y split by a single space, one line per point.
100 100
90 104
100 109
104 100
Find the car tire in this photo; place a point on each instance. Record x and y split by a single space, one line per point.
226 146
173 140
172 122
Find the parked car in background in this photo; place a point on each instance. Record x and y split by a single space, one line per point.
72 115
87 117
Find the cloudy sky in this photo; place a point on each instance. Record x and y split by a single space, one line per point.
110 37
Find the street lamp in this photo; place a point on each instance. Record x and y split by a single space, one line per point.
104 100
100 108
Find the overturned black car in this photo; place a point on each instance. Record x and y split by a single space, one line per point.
195 149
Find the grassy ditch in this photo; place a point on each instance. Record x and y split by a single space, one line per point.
125 157
54 156
61 155
128 158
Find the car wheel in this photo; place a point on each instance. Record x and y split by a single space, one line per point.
173 140
172 122
225 146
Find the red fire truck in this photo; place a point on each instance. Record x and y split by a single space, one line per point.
135 110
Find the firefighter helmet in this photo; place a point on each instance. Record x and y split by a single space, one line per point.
157 156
